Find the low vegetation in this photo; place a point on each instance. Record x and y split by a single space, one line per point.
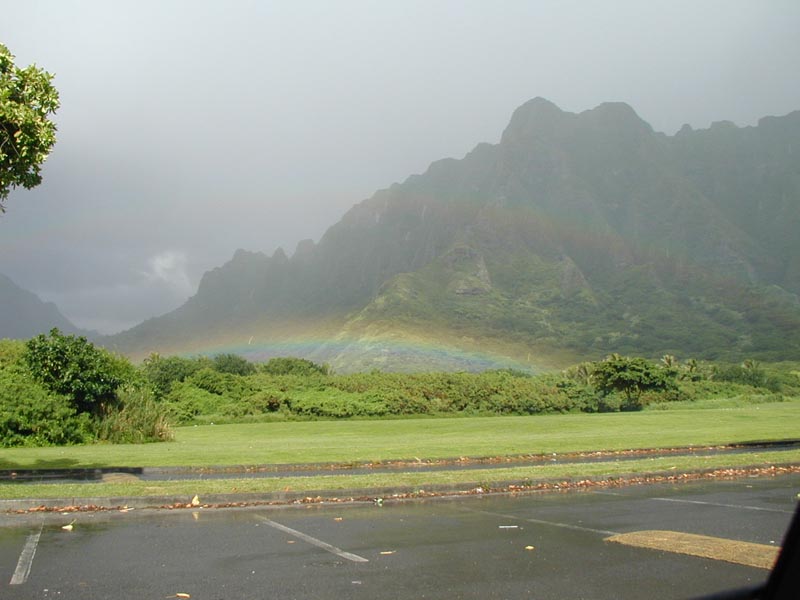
61 390
289 389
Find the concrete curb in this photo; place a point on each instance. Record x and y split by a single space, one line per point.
221 500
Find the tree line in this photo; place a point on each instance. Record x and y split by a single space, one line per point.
61 389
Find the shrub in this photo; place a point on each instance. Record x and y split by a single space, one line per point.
675 394
32 416
399 402
222 384
233 364
264 401
580 395
211 381
186 401
611 403
260 403
336 406
11 352
749 373
293 366
163 372
72 366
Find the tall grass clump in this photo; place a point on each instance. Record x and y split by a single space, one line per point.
136 418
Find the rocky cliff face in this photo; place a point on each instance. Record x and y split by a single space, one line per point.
583 232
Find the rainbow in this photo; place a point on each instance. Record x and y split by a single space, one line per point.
350 354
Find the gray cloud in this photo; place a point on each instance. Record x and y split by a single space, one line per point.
200 127
169 268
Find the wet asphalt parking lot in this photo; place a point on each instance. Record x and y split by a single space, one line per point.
543 545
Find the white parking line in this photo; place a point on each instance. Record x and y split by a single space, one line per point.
314 541
26 558
739 506
542 522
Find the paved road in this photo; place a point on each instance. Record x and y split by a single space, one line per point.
466 548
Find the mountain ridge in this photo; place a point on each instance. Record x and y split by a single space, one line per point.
577 233
25 315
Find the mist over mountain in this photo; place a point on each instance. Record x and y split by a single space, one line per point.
575 236
24 315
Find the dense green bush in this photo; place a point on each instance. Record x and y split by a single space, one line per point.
230 386
61 389
162 372
186 402
72 366
492 392
212 381
709 388
11 352
293 366
581 396
750 373
30 415
400 402
336 405
261 403
233 364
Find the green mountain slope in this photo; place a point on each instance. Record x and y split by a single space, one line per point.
575 236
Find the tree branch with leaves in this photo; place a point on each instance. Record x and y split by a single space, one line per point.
27 134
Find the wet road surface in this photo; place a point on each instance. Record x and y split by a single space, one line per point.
546 545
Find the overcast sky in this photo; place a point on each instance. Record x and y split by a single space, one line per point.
190 129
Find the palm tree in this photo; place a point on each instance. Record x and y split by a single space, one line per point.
692 370
750 364
584 373
669 361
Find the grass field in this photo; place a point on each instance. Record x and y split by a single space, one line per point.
356 441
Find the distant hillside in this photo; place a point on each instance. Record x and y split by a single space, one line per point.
577 235
23 315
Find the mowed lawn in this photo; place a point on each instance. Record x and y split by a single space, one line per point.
432 438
